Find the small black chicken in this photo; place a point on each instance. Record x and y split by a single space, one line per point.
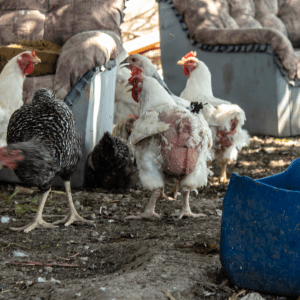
111 165
42 143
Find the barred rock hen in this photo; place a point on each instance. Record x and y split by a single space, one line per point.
11 87
111 165
224 118
169 141
43 142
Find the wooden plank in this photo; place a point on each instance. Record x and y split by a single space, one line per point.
143 44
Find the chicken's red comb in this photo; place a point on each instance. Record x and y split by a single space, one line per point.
33 53
191 54
11 158
135 71
133 116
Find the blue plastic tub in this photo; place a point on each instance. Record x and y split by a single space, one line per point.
260 234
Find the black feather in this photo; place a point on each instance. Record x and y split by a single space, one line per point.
45 132
111 165
195 107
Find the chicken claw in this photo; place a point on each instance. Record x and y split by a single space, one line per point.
72 217
166 198
186 211
170 196
149 211
36 223
144 215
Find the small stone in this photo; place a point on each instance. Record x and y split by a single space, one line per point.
54 280
164 276
94 233
86 248
76 203
110 221
219 212
84 258
48 269
41 279
17 253
2 286
40 270
91 267
253 296
138 205
4 220
93 216
77 294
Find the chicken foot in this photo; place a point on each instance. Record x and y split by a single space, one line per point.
149 211
72 215
223 175
186 211
38 221
170 196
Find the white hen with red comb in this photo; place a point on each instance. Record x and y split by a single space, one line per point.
169 141
224 118
11 87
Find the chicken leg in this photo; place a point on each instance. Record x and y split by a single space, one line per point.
72 215
223 175
170 196
149 211
186 211
38 221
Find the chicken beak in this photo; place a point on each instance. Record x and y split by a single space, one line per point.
125 65
129 85
35 60
181 62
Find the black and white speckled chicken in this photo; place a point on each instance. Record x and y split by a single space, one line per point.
42 143
111 165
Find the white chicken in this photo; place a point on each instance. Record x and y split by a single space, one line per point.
11 87
149 69
224 118
169 140
217 112
124 104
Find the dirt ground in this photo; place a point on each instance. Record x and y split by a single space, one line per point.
133 259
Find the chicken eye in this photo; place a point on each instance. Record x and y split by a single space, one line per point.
135 81
133 59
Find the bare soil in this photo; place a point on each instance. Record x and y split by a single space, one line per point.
133 259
